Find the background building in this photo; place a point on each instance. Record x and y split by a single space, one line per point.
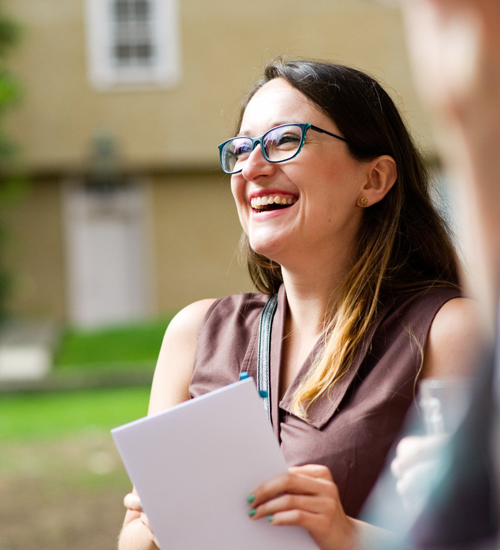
127 214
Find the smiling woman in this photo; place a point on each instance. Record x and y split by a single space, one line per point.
343 235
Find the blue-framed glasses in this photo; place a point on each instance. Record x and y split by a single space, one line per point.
277 145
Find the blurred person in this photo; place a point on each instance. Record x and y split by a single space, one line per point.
339 225
454 46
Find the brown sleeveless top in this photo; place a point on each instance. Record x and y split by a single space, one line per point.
350 431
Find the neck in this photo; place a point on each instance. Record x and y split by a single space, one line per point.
312 290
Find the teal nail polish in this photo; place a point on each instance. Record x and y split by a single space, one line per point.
250 498
270 519
251 512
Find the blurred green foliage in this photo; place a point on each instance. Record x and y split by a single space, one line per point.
10 93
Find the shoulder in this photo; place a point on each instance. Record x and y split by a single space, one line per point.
235 309
428 300
196 326
186 324
454 342
176 359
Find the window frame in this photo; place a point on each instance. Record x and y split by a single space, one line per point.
104 74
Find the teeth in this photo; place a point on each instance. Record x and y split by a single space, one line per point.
258 202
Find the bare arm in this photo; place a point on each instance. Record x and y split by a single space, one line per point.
454 342
170 387
453 350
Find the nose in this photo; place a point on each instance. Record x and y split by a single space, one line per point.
256 165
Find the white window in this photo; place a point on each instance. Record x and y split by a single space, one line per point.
133 43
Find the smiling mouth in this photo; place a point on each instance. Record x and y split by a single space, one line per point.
272 202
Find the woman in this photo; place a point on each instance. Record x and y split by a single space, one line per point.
334 203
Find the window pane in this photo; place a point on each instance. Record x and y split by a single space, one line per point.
142 10
121 9
144 51
123 52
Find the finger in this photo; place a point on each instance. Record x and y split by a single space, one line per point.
312 504
415 449
319 526
293 484
312 470
417 481
132 502
145 521
299 518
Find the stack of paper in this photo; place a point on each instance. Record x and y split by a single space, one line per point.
194 466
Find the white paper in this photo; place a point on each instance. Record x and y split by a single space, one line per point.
194 466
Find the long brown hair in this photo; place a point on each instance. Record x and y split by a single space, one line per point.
403 243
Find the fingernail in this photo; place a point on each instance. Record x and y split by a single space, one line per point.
251 512
270 519
250 498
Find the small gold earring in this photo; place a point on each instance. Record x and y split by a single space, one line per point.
363 201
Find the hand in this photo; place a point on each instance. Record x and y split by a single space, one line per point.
132 502
306 497
454 45
415 466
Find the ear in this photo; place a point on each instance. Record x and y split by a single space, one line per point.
381 176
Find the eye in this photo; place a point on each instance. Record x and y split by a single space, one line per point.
283 138
240 147
288 138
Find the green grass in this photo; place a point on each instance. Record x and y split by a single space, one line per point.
51 415
129 345
116 350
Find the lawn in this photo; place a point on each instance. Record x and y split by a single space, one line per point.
60 472
120 346
111 353
60 414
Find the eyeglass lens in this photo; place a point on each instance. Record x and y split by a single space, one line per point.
279 144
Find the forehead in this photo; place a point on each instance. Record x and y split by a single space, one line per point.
277 102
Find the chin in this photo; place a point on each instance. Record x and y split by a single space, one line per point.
268 251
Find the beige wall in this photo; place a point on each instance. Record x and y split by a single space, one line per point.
196 240
195 244
173 132
34 251
223 51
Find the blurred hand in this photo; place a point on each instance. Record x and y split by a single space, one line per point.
306 497
132 502
454 48
415 466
